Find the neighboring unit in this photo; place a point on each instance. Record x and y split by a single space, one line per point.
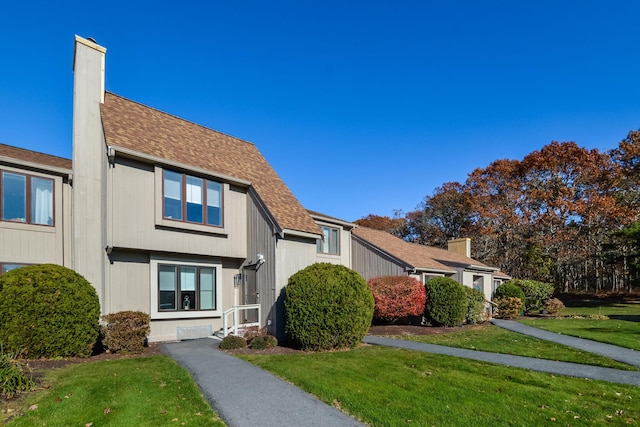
378 253
35 206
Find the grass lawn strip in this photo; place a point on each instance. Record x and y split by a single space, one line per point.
393 387
497 340
606 307
148 391
617 332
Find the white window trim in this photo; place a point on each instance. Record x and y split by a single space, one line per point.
181 314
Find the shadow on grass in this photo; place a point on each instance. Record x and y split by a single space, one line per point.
627 317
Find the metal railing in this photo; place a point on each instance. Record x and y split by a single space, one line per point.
236 324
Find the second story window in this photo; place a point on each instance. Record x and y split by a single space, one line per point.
192 199
330 244
27 199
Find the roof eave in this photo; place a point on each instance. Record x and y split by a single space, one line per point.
38 166
127 152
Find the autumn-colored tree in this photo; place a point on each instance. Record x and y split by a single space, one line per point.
445 215
384 223
553 216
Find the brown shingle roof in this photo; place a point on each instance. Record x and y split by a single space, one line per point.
418 256
134 126
34 157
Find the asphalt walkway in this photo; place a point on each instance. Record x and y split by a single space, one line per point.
245 395
621 354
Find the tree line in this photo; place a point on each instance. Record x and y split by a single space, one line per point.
563 214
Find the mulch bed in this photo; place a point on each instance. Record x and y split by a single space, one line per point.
40 364
154 349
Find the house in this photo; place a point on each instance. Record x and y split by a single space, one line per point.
182 222
175 219
335 245
378 253
35 204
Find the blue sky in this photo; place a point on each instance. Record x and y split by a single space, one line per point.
360 106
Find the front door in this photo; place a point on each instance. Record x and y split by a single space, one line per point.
249 294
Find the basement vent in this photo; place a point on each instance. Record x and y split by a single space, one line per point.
193 332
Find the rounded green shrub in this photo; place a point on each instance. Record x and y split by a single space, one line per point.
475 306
397 297
263 341
48 311
535 293
509 290
327 306
231 342
125 331
446 301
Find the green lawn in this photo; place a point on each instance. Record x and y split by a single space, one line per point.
614 308
617 332
392 387
146 391
494 339
622 328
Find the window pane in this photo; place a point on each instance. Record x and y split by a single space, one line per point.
194 199
9 267
187 278
214 203
14 197
187 288
41 201
333 241
325 242
207 289
167 284
172 195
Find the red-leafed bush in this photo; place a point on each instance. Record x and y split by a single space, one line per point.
397 297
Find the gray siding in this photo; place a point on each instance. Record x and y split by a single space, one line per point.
24 243
261 239
370 263
135 216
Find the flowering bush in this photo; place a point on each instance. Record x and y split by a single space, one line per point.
397 297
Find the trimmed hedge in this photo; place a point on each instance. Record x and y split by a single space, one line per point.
48 311
263 341
509 290
446 301
535 293
125 331
397 297
327 306
475 306
232 342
